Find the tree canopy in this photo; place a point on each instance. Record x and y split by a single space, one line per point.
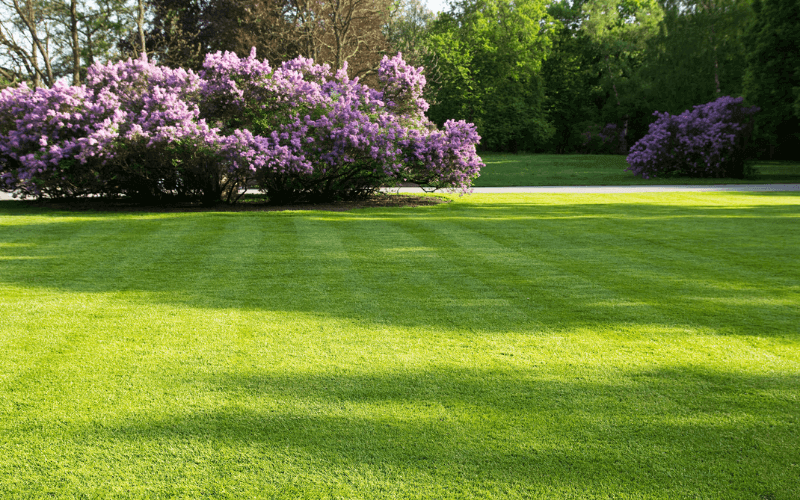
772 80
533 75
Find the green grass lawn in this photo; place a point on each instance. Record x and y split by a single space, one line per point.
602 170
501 346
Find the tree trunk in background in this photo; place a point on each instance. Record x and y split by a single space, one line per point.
623 135
713 43
28 18
140 24
89 49
712 8
351 32
76 52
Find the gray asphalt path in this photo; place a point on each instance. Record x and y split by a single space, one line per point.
598 189
619 189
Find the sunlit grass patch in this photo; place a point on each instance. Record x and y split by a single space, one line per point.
508 346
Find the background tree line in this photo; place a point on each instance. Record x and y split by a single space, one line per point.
533 75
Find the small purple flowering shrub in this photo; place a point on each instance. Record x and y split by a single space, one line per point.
297 131
707 141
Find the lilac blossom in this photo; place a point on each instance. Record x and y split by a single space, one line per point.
707 141
297 131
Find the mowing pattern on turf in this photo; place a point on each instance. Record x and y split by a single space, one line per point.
507 346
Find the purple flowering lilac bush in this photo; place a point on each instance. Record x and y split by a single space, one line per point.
51 140
298 131
132 129
707 141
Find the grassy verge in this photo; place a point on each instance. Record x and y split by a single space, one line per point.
602 170
500 346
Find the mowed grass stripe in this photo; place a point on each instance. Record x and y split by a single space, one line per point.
500 261
537 283
519 263
84 353
504 169
301 378
408 271
64 260
155 411
606 251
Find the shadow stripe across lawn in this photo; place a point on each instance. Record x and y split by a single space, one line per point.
506 346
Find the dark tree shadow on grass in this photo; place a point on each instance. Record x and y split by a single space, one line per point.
494 268
522 266
660 433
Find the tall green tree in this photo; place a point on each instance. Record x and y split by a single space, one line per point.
571 72
697 55
722 23
621 28
772 79
489 56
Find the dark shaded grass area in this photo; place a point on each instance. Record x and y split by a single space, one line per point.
512 251
510 346
605 170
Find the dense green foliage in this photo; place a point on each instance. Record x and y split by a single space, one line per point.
609 64
523 346
573 94
488 62
562 76
773 76
698 46
620 30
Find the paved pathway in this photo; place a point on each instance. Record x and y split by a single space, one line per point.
599 189
620 189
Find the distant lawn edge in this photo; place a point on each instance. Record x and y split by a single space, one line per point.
513 170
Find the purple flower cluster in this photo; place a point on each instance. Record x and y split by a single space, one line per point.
43 133
707 141
402 86
296 131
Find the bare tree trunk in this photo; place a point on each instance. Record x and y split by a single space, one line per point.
349 31
623 135
716 62
29 20
89 49
76 51
711 9
716 72
338 32
341 17
37 80
140 25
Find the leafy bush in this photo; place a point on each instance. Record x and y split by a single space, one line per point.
163 147
600 141
133 129
707 141
50 139
298 131
309 134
